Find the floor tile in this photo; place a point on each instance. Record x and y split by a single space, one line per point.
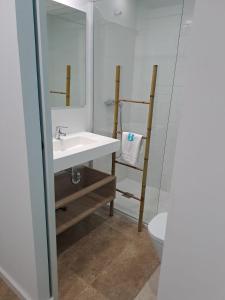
70 284
104 258
146 294
91 294
6 293
150 289
154 281
125 277
89 256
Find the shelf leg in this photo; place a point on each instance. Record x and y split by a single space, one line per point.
111 208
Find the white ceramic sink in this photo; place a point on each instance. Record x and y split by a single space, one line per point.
65 144
79 148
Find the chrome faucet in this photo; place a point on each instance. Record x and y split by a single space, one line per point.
59 133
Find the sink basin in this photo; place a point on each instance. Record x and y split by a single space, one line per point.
71 142
79 148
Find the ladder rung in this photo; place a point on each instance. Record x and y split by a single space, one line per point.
128 195
129 166
57 92
135 101
144 137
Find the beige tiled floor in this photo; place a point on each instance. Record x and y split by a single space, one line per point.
104 258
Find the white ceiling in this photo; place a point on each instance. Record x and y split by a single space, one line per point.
161 3
65 12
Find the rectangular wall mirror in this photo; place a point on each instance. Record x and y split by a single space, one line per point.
66 55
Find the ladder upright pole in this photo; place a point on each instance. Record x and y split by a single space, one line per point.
115 127
147 145
68 79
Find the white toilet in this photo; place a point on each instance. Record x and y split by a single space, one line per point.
157 231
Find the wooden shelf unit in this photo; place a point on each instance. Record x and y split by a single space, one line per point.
80 200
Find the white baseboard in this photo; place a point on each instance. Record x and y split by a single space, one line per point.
13 285
10 282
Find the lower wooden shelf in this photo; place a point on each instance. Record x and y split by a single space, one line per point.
78 210
75 202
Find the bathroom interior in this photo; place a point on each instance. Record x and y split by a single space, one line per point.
134 35
102 251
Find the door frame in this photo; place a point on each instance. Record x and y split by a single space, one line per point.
40 22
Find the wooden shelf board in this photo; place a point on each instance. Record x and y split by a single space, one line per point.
78 210
74 195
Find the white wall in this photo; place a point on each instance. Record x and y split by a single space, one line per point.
111 49
23 241
193 266
176 105
156 43
79 119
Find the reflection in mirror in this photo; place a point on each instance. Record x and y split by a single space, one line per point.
66 55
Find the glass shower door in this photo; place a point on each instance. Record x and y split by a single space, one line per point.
136 36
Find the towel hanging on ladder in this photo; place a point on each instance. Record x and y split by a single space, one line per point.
131 145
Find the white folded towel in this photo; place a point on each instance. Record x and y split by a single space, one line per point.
131 145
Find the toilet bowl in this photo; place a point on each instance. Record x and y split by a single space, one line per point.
157 231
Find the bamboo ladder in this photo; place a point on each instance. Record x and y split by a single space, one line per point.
147 138
67 92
